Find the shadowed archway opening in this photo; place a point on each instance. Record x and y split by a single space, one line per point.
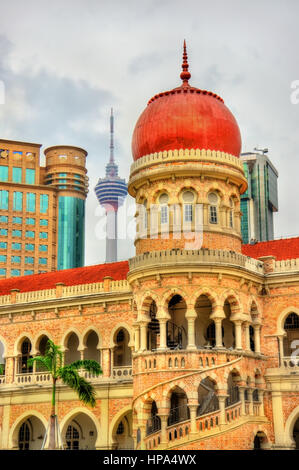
207 398
79 433
177 325
291 328
30 434
179 410
296 434
122 433
72 354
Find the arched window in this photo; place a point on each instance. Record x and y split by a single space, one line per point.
177 325
24 436
251 337
188 201
42 351
91 350
232 390
163 201
154 422
72 353
291 327
153 328
25 351
179 410
122 351
213 208
72 438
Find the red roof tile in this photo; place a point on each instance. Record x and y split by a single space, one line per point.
70 277
285 248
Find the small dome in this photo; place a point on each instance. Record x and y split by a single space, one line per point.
186 118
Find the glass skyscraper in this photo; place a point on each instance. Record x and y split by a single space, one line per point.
260 200
41 208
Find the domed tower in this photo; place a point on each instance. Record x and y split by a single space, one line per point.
111 192
195 296
187 176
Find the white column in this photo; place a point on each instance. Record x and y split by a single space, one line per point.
242 398
221 399
257 341
238 334
218 333
163 338
137 338
281 351
261 400
143 334
191 318
193 411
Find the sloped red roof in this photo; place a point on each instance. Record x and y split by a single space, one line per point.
285 248
70 277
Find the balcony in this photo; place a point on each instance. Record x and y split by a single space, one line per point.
40 379
290 362
122 373
202 257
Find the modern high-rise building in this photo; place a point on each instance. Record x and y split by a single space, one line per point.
260 200
41 208
111 192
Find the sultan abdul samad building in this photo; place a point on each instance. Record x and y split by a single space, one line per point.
195 334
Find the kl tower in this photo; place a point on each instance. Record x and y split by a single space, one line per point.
111 192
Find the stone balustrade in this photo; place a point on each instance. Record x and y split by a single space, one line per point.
206 424
122 373
290 362
287 265
204 256
178 360
42 378
65 292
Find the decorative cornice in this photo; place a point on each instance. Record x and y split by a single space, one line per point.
185 155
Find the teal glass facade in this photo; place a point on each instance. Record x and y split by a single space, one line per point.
4 200
17 201
260 200
44 203
71 222
17 175
30 202
3 173
30 176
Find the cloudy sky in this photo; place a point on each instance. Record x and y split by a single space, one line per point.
64 63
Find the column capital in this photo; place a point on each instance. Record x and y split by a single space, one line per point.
222 397
163 319
218 313
191 314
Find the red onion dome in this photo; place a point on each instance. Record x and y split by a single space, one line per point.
186 118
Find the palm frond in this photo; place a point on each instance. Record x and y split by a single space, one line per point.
86 392
89 365
84 389
41 360
69 376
